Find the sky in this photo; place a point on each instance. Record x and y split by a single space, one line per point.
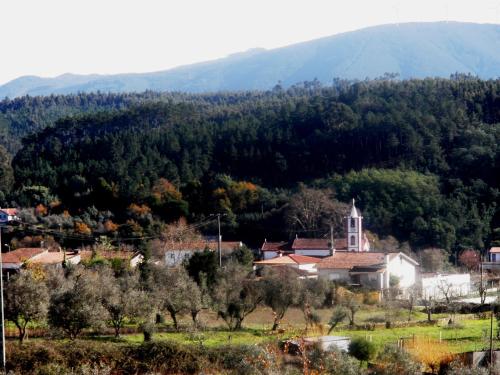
52 37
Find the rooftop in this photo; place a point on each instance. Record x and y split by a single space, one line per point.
291 259
22 254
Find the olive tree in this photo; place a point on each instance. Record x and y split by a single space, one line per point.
236 294
177 293
26 301
281 291
122 298
77 305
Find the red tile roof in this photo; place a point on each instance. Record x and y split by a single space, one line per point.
275 246
302 259
348 260
22 254
53 257
495 250
289 259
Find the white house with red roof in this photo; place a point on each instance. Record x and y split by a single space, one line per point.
7 215
370 269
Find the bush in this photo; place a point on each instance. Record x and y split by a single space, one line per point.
362 349
393 360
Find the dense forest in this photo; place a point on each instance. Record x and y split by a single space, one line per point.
420 156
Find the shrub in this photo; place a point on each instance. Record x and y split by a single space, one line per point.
393 360
362 349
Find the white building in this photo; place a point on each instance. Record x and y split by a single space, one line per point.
438 286
370 269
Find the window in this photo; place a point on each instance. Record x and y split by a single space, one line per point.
353 223
353 240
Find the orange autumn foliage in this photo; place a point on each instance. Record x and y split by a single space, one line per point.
430 352
82 228
41 210
109 226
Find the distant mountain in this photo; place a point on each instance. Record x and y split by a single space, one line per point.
412 50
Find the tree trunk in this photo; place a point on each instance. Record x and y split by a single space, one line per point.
276 324
173 315
194 317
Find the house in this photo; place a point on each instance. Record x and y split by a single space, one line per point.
7 215
440 286
177 252
370 269
354 241
56 258
494 254
14 260
130 257
298 262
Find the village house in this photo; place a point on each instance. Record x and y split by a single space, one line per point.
304 264
7 215
379 271
13 261
178 252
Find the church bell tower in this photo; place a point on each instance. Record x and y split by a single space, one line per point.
354 230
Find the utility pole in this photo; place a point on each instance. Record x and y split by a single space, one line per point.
1 302
491 338
332 244
219 239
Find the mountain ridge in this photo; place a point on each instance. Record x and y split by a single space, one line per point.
411 50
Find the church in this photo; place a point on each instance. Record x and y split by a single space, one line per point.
349 259
354 241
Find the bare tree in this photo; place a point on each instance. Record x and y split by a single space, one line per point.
172 236
312 209
26 301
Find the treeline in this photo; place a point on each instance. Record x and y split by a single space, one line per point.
421 157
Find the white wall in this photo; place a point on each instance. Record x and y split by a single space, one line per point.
176 257
335 274
310 267
406 272
313 253
434 286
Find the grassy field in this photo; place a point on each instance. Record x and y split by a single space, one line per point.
467 335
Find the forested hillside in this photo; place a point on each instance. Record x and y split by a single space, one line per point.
421 157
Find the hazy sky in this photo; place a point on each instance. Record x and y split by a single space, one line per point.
52 37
